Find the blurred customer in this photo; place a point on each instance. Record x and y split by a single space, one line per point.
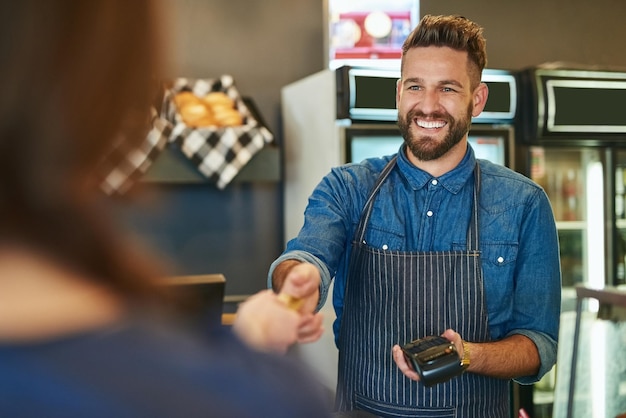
80 332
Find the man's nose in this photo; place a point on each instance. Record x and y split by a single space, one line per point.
429 102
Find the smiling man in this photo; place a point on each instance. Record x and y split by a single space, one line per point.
431 241
436 98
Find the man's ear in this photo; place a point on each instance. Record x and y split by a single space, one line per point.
480 95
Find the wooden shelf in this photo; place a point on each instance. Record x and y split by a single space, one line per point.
173 167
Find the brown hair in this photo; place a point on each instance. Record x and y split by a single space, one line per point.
76 75
454 32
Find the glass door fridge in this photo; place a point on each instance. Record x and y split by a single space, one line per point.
571 135
573 179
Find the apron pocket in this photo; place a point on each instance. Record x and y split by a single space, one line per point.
382 409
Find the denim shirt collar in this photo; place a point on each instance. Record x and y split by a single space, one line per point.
452 181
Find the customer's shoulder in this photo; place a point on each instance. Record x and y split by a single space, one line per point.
210 368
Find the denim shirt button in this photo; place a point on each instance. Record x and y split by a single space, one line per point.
429 213
385 246
500 260
434 182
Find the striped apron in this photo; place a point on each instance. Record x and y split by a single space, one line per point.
394 297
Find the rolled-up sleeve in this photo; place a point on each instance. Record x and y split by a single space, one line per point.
305 257
547 349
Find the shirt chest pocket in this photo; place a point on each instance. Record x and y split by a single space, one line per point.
497 255
499 262
383 238
500 255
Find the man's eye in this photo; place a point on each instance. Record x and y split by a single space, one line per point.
414 88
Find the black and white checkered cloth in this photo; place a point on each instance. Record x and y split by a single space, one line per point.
219 153
136 161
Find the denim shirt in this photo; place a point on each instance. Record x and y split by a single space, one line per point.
415 211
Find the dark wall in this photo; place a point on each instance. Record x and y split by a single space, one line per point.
263 44
267 44
525 33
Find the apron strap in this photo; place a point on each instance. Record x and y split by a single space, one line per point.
472 231
367 209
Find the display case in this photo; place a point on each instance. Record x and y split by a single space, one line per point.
573 178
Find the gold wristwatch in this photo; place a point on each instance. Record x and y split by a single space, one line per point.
465 361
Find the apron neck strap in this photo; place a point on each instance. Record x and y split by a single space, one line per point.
367 208
472 231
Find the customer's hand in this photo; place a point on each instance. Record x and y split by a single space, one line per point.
265 323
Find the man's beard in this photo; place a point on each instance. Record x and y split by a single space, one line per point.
426 148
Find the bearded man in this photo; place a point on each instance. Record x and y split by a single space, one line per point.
431 241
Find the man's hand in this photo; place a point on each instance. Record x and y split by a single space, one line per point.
511 357
406 368
403 364
301 281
